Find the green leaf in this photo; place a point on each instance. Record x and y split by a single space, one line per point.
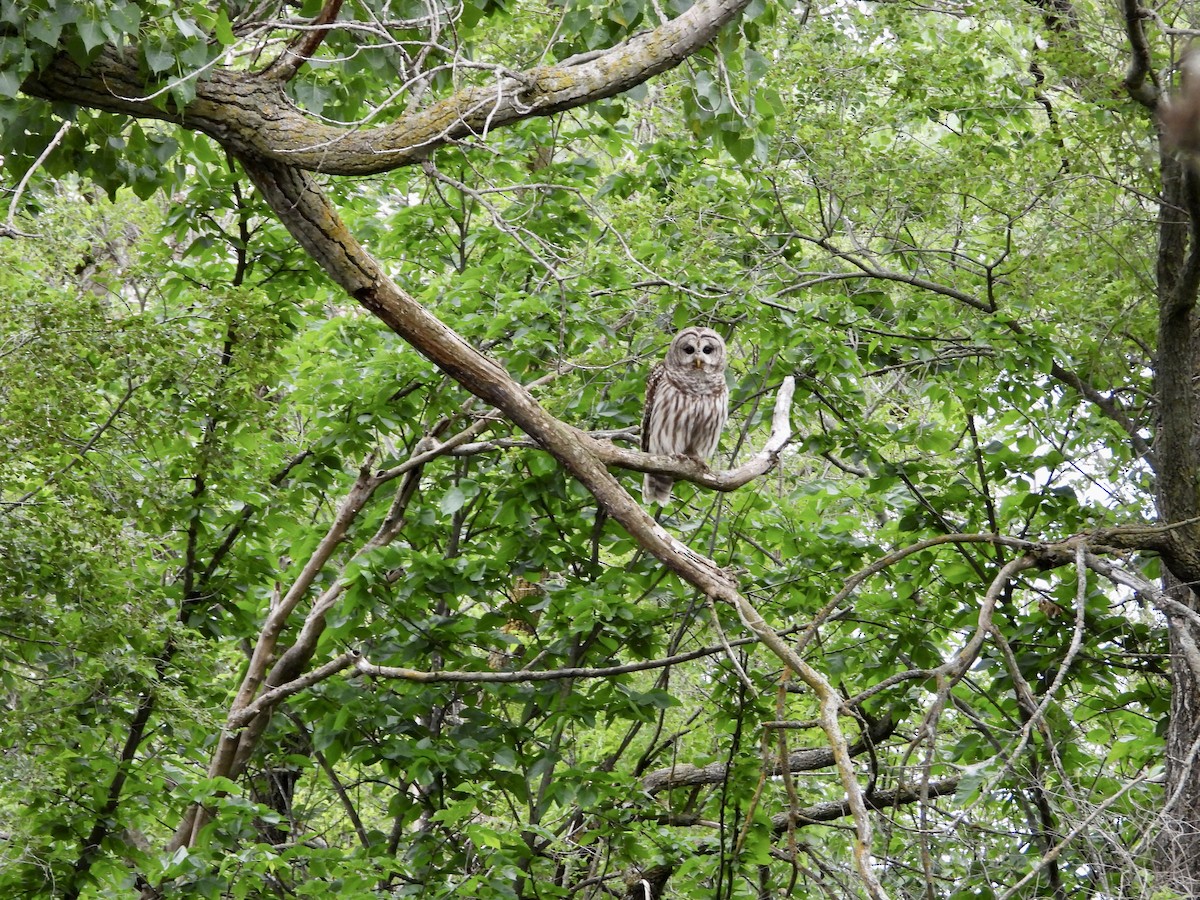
10 83
159 57
46 28
452 501
223 29
125 17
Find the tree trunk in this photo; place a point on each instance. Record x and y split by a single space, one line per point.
1177 852
1175 460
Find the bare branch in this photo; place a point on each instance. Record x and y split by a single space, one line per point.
477 447
869 270
861 261
1083 824
10 229
522 676
287 64
1139 77
830 704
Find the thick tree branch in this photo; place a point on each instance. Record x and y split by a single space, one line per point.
269 699
804 760
305 211
252 116
288 63
724 481
1139 77
876 800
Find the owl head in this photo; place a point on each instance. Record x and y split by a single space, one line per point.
697 348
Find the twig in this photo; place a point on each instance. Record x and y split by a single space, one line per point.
732 657
521 676
10 230
1056 851
304 45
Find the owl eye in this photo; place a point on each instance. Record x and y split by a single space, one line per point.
689 349
709 348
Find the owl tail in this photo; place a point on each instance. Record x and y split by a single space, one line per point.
656 489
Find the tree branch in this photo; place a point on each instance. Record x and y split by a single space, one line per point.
307 213
10 229
866 268
1081 826
680 469
252 116
269 699
804 760
300 51
1139 76
689 470
876 800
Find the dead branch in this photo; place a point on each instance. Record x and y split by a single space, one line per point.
1083 824
301 49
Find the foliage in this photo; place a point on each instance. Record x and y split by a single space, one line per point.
919 213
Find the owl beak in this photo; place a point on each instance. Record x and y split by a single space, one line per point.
699 363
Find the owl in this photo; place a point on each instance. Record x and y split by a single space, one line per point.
686 404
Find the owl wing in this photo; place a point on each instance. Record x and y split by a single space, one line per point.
652 382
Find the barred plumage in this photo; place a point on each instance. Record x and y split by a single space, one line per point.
687 403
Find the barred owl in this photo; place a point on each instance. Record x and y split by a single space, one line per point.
686 404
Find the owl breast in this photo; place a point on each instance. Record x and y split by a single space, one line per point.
688 415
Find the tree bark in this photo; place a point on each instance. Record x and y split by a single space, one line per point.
1177 850
1177 857
1177 454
